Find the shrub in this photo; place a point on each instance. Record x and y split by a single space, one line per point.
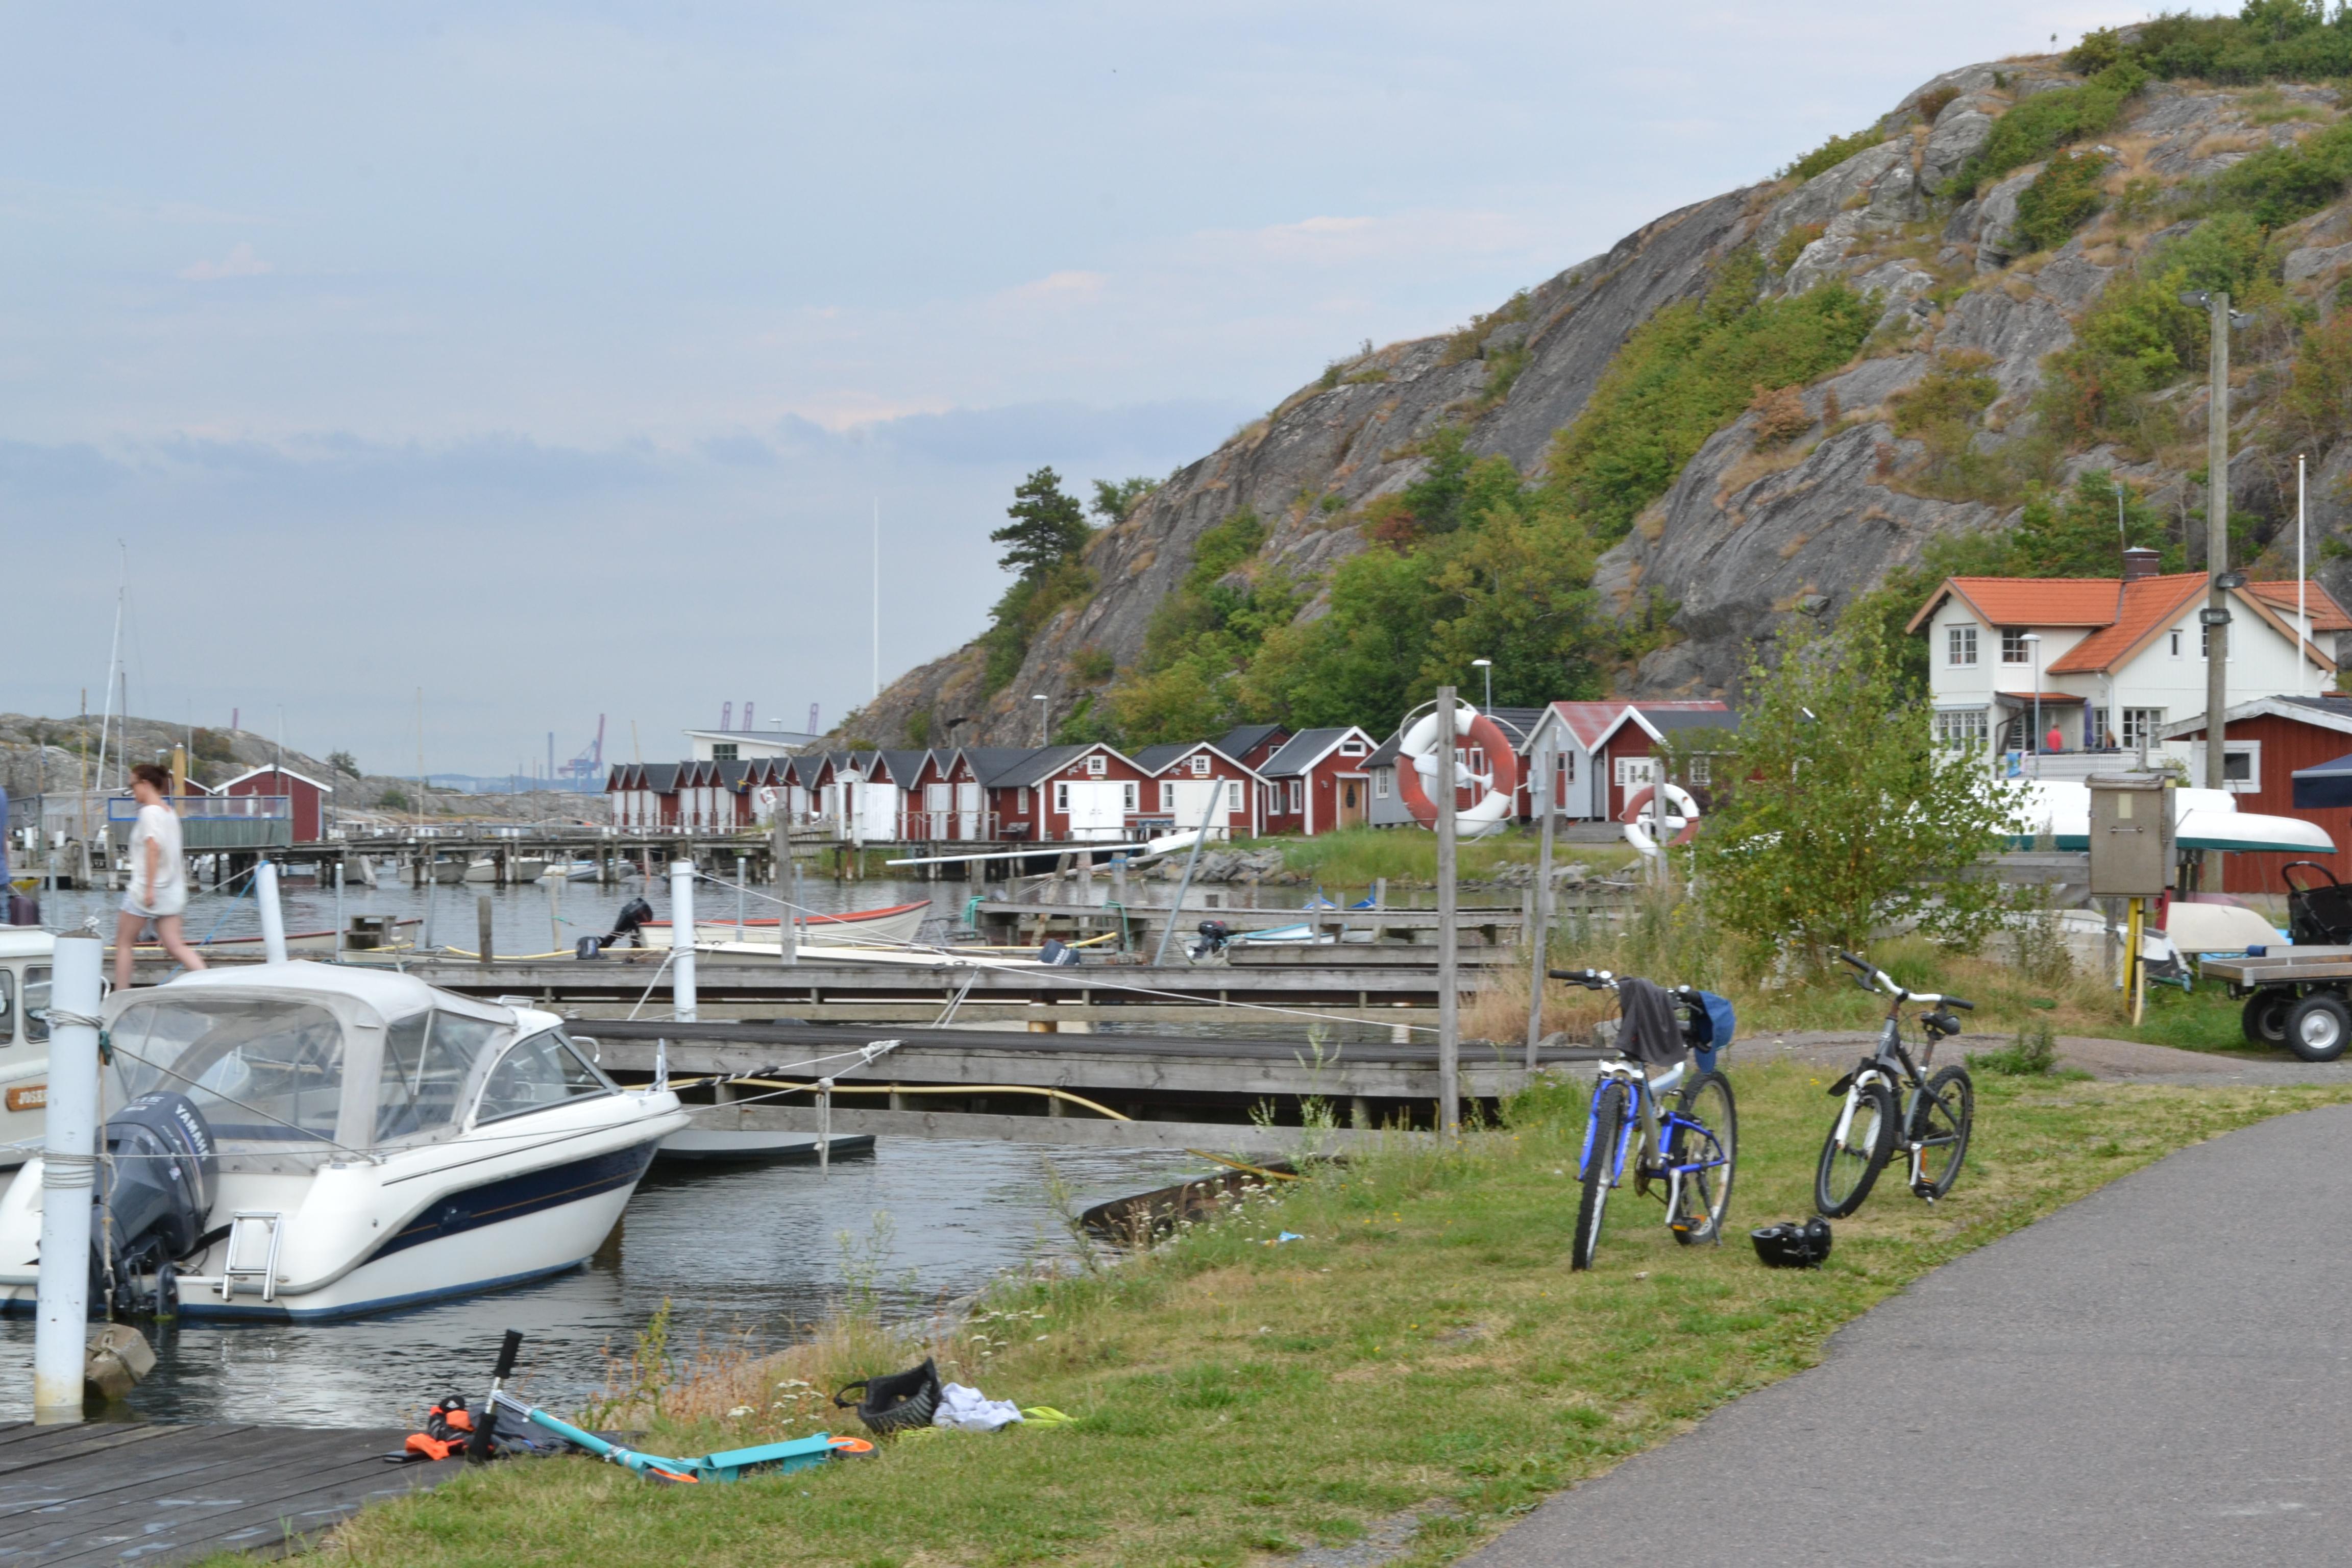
2268 39
1933 104
2048 121
1779 414
1093 665
212 746
2276 185
1829 155
2062 199
1792 244
392 800
1940 411
1683 375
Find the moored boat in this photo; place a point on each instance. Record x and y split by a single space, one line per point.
852 928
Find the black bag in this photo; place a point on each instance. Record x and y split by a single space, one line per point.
897 1403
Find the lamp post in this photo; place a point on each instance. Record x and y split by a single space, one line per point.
2033 655
1045 708
1489 666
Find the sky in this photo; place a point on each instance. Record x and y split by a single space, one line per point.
528 363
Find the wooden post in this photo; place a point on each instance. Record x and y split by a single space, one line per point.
1449 955
482 922
1539 932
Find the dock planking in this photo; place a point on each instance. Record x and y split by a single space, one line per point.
163 1494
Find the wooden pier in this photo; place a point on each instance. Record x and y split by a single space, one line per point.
115 1492
1171 1090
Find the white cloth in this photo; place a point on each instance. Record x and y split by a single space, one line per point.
965 1409
159 826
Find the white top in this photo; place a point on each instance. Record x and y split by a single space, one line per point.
160 826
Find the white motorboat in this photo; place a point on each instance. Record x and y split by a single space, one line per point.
376 1143
851 928
2202 819
521 868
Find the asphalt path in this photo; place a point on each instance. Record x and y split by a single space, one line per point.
2159 1374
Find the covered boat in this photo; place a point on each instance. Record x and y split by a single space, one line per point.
2201 820
853 928
353 1140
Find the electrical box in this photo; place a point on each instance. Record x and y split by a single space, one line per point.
2131 835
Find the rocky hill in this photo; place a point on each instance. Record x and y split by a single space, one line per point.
2011 237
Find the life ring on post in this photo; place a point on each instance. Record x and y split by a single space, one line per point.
1498 786
1682 818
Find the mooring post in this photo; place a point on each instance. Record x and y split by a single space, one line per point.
273 918
742 886
483 942
1449 955
788 929
681 939
555 906
1539 931
339 911
824 1125
68 1166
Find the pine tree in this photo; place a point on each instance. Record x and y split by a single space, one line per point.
1049 527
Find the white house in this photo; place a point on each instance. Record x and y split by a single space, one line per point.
2107 662
747 745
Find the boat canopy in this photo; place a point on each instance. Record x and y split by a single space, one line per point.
316 1061
2201 820
2324 786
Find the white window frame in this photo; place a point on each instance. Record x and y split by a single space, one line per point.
2142 724
1960 645
2175 642
2014 649
1636 773
1297 796
1233 797
2231 752
1380 777
1702 770
2205 650
1020 799
1126 795
1964 729
1200 765
1351 748
1097 765
1167 795
1062 796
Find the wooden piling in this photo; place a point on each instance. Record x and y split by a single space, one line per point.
482 922
1449 999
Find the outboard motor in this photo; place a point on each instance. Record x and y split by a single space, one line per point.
1215 935
629 923
158 1195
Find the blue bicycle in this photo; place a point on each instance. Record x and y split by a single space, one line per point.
1683 1153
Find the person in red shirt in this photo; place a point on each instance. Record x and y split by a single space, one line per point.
2055 741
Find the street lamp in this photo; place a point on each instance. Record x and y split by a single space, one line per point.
1489 666
2033 657
1044 707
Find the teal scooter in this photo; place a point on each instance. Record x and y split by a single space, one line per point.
733 1465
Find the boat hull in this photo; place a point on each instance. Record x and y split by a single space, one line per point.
858 928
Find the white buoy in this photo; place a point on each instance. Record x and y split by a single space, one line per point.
69 1164
681 939
273 918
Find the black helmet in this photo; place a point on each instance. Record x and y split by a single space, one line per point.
1793 1244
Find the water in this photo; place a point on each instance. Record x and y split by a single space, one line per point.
760 1249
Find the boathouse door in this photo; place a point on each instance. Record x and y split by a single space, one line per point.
936 812
1099 807
1351 802
967 806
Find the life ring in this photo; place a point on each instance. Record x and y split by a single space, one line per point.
1498 786
1681 816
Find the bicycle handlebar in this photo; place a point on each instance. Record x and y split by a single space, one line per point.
1591 979
1874 978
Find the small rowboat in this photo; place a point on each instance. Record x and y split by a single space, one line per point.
854 927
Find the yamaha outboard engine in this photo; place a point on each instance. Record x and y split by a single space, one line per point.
1215 935
158 1193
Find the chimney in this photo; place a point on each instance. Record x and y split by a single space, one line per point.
2139 562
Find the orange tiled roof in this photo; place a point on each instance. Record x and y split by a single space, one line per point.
2327 615
2147 605
2041 601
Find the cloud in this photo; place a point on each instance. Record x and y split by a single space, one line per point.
241 262
1070 285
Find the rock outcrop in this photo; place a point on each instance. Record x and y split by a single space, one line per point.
1749 534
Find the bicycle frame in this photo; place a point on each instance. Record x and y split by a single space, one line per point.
1657 1131
1891 1067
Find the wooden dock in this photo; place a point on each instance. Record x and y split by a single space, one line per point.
1173 1091
113 1492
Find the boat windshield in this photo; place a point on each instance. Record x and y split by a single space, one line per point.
428 1059
261 1071
544 1070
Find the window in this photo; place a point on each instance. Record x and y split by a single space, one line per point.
1297 795
1020 799
723 752
1126 795
258 1070
1634 773
1232 795
1568 767
2175 642
1960 644
1061 796
1963 729
1167 795
1200 765
1095 765
426 1059
542 1072
1351 748
2205 645
1702 770
1478 761
1380 777
2013 646
2140 725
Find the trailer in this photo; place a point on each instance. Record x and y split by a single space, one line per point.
2299 998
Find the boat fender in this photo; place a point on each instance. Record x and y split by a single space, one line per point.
1056 955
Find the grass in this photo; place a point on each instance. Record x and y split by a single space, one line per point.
1355 858
1425 1343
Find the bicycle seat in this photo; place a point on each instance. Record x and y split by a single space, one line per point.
1662 1082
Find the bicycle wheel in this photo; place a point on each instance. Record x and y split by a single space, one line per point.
1849 1167
1708 1144
1600 1174
1940 1119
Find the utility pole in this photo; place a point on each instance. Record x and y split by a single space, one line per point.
2220 579
1449 952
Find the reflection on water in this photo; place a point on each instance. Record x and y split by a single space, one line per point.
760 1248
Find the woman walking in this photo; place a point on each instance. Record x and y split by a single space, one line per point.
159 883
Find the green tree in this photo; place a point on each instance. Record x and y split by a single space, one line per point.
1114 499
1049 527
344 761
1840 815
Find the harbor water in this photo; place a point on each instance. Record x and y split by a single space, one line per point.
736 1252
